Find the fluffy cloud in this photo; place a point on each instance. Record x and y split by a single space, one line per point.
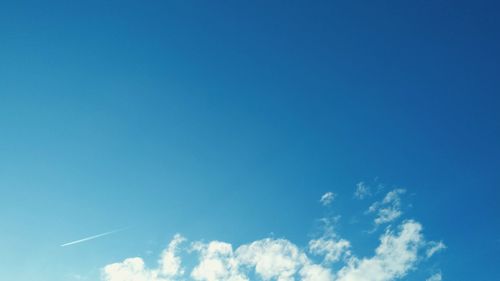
280 260
314 272
170 263
217 262
133 269
389 208
394 257
273 259
326 258
327 198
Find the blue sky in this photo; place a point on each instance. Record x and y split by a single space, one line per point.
229 120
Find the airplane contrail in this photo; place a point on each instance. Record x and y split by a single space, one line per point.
93 237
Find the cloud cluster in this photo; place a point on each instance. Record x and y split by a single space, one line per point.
280 260
328 257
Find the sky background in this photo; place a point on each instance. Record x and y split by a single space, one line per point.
228 120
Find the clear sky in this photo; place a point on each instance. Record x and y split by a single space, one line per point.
229 120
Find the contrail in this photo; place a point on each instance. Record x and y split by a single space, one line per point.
93 237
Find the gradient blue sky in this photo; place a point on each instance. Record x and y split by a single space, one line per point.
228 120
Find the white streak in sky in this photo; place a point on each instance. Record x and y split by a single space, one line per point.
92 237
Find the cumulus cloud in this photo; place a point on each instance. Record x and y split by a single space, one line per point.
273 259
131 269
314 272
170 263
327 198
280 260
389 208
216 262
327 257
394 257
134 269
362 190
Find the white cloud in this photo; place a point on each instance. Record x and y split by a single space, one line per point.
329 245
435 277
314 272
270 259
331 249
326 258
362 190
170 264
394 257
280 260
217 262
387 215
434 247
327 198
389 208
133 269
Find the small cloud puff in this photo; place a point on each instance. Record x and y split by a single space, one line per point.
362 190
435 277
327 198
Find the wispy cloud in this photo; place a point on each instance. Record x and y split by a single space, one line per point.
92 237
362 190
435 277
327 198
389 208
434 247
